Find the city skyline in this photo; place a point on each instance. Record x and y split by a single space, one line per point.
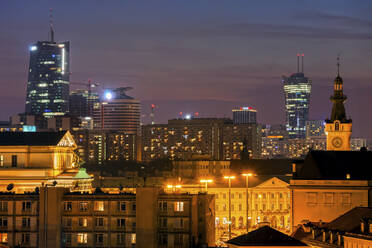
174 65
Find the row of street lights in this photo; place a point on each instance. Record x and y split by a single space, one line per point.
229 178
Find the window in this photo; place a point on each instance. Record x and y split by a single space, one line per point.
67 239
3 206
3 222
240 207
178 239
82 238
264 195
122 206
134 207
345 198
67 206
26 222
99 206
280 206
25 238
232 207
99 238
26 206
328 198
68 222
1 160
280 195
178 207
133 238
163 206
83 222
272 196
240 196
120 238
163 222
121 223
3 238
14 160
163 239
232 196
337 126
272 206
83 206
178 223
99 221
311 197
134 226
224 195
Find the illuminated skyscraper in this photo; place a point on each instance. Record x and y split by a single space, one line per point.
48 78
117 111
244 115
297 89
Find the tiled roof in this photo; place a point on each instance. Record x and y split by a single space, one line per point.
350 221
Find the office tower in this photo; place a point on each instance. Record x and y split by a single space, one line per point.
339 127
315 128
244 115
117 111
81 103
297 89
48 78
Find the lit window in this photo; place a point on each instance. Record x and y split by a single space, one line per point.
1 160
82 238
133 238
67 206
83 222
83 206
178 207
99 206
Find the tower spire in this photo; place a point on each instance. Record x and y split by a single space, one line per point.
302 64
51 25
338 65
298 62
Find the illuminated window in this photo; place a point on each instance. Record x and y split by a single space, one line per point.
82 238
1 160
99 206
83 222
3 238
178 207
83 206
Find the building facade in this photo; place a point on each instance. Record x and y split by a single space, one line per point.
81 103
48 83
117 111
297 89
58 218
244 115
198 139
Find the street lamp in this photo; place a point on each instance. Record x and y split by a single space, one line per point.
174 187
229 178
247 175
206 181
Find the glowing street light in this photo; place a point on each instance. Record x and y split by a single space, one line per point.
206 181
247 175
174 187
229 178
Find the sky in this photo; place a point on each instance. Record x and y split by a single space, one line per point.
206 56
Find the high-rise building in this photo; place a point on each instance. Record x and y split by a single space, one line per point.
81 103
117 111
244 115
338 127
48 78
297 89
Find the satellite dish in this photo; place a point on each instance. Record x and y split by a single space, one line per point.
10 187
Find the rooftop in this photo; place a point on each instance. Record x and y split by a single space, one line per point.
30 138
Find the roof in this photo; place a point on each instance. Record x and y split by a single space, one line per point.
30 138
350 221
335 165
263 166
265 236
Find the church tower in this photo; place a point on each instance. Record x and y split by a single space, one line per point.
338 128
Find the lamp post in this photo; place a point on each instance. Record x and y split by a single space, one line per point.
206 181
247 175
174 187
229 178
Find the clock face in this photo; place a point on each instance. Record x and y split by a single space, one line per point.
337 142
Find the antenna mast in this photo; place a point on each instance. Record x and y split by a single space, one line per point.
51 25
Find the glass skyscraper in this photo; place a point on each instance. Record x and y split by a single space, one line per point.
297 89
48 79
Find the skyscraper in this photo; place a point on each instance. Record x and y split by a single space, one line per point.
117 111
81 103
297 89
244 115
48 78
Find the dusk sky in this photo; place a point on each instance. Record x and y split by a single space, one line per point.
205 56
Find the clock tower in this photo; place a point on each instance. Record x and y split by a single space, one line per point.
338 128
